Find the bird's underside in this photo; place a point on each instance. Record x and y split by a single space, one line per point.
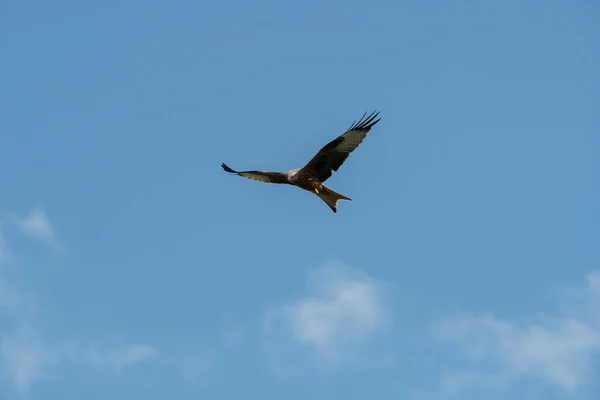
320 168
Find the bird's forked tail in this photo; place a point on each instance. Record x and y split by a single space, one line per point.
331 198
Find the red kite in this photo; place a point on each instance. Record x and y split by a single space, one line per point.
319 169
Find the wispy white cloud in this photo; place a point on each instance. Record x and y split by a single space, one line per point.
4 295
25 356
3 253
343 308
134 355
37 224
108 357
197 364
25 360
557 349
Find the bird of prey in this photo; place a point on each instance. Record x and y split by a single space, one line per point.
319 168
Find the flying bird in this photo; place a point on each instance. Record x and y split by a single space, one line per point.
330 158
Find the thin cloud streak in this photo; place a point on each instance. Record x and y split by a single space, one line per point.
3 252
37 224
109 358
25 360
25 357
557 349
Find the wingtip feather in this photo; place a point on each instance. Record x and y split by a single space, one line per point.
365 123
228 169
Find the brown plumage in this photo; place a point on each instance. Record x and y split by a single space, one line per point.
320 168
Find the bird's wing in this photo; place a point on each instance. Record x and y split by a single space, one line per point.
261 176
332 156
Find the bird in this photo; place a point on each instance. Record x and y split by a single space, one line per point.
329 158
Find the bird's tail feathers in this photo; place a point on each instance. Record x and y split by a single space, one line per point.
331 198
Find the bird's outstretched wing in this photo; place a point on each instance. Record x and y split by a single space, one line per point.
261 176
332 156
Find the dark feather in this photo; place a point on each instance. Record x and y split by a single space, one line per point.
226 168
334 154
261 176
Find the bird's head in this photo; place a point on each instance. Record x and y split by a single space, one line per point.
291 173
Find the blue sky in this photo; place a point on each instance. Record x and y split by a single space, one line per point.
467 265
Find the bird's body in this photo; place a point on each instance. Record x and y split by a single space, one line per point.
304 180
312 176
